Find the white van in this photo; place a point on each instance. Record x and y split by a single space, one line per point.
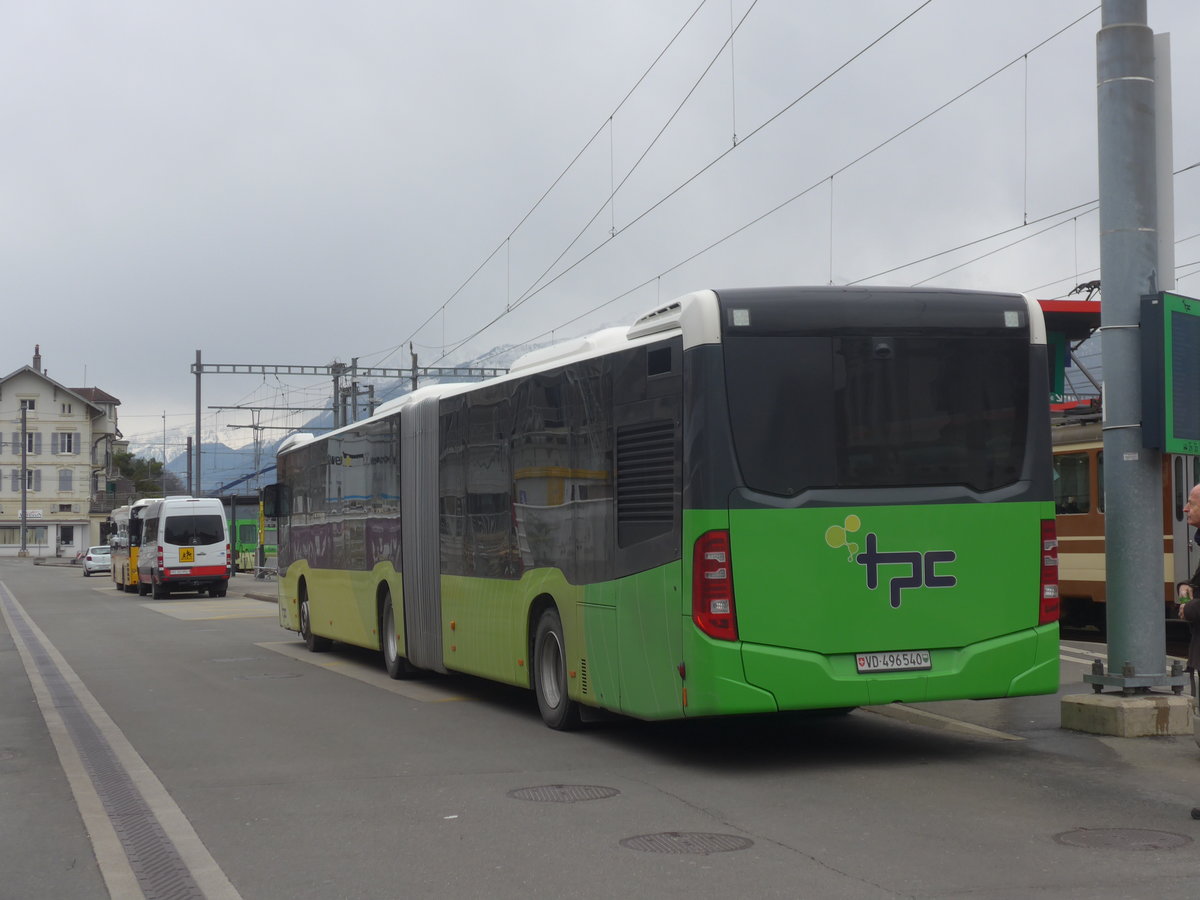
185 547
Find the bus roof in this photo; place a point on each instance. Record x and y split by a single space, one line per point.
696 315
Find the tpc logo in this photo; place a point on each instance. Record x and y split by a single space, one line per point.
921 566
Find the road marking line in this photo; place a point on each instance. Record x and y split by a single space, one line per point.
915 716
423 692
1071 659
107 746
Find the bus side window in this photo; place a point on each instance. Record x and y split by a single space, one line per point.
1072 493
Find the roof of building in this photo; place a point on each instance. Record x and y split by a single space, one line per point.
95 395
75 392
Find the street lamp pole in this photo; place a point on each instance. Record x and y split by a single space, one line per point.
24 551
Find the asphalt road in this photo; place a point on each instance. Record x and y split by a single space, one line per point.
246 767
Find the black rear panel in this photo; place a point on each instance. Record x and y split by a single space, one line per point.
831 395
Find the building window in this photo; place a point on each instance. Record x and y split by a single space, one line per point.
34 534
65 507
65 442
33 480
29 404
65 479
66 409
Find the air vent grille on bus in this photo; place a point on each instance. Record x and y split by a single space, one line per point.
646 473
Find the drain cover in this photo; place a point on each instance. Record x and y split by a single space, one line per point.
1123 839
686 842
563 793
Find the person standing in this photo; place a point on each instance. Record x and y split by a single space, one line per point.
1189 591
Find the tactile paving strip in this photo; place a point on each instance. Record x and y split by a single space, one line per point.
160 872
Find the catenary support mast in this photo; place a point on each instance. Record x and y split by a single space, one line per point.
1128 263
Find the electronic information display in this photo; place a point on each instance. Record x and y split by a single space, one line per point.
1171 373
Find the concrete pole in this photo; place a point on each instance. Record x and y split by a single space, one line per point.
198 440
1164 139
337 399
1128 265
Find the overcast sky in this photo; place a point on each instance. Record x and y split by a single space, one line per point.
308 181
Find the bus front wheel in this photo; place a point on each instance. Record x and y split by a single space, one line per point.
314 642
558 710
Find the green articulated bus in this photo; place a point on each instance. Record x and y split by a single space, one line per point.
749 501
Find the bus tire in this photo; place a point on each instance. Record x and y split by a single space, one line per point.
397 666
315 643
159 590
218 590
558 710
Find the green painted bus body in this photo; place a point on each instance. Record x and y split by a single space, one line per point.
804 611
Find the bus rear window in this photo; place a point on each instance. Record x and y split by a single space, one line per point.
884 411
189 531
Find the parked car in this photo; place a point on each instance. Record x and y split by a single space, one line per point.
96 559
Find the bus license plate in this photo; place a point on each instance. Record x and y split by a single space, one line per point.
898 661
187 554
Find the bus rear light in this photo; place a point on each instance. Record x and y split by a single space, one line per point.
160 557
1048 608
712 586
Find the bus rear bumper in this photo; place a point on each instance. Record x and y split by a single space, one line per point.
1018 664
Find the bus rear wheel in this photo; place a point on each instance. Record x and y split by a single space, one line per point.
315 643
397 666
558 710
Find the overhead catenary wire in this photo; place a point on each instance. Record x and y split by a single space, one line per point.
1086 208
534 289
606 123
876 148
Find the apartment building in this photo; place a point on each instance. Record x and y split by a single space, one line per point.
55 462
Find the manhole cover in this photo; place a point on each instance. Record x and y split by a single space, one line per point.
1123 839
563 793
686 842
